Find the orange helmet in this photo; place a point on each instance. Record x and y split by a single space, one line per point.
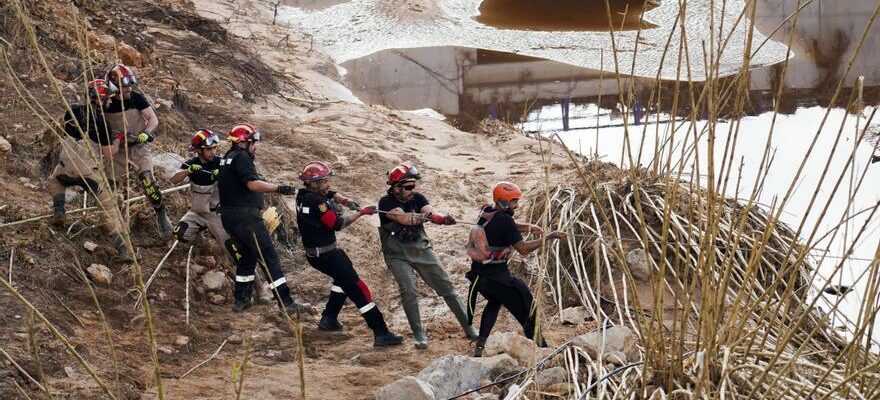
101 88
203 138
315 171
121 75
505 192
244 132
401 173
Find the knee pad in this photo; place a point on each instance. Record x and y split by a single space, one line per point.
150 189
232 248
67 181
91 184
180 231
366 291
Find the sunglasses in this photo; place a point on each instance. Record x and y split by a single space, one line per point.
256 136
410 187
212 141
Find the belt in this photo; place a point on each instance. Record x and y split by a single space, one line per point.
317 251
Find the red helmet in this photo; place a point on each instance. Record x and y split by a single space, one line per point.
315 171
505 192
121 75
244 132
204 138
101 88
402 173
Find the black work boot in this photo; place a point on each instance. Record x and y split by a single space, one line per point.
241 305
480 345
387 339
165 229
122 253
58 209
328 323
295 309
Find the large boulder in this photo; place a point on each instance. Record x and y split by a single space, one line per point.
551 376
406 388
452 375
615 339
521 348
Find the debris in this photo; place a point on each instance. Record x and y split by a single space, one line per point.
197 269
91 247
575 315
638 265
406 388
100 273
551 376
5 146
615 358
23 179
235 339
208 261
521 348
237 94
129 55
165 349
214 280
217 299
181 340
31 186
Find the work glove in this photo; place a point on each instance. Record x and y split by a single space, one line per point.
435 218
215 173
193 168
286 190
448 220
144 137
352 205
368 210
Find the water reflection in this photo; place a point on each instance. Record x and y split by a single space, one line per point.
564 15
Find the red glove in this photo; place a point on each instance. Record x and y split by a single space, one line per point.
435 218
368 210
448 220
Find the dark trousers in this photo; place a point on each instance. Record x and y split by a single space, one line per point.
347 284
500 288
253 244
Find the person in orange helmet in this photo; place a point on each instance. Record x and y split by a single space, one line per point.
490 246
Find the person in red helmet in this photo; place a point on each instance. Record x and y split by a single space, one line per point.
319 216
80 159
407 250
490 246
241 202
134 122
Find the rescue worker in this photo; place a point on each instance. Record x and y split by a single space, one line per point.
202 171
79 161
489 274
407 251
319 216
241 201
134 120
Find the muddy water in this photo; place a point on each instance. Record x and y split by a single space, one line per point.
564 15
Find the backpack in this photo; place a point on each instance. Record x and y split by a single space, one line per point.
478 248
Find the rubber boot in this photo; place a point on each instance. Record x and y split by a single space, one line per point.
457 308
330 324
122 253
58 209
411 309
165 229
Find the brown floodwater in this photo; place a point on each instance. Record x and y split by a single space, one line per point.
565 15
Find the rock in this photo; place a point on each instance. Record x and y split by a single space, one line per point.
70 372
106 40
165 349
638 265
615 358
196 269
91 247
129 55
208 261
237 94
31 186
234 339
551 376
406 388
162 103
559 389
23 179
214 280
168 163
5 146
481 396
521 348
217 299
617 338
100 273
575 315
181 340
452 374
